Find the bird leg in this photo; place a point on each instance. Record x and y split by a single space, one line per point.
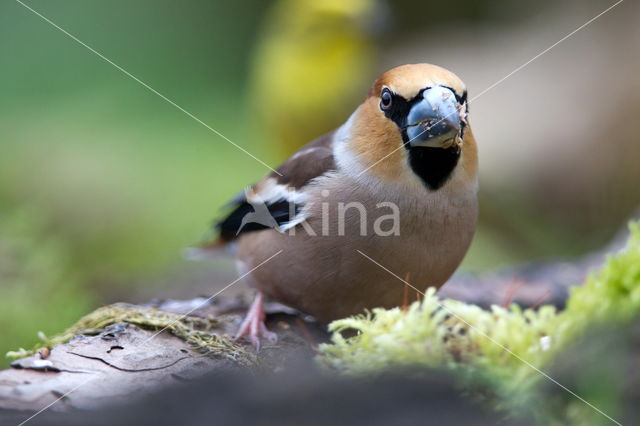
253 326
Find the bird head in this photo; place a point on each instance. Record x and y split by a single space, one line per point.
414 118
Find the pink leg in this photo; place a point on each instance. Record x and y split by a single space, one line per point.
253 325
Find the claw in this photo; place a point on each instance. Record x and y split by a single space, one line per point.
253 326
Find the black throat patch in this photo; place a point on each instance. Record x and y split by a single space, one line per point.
433 165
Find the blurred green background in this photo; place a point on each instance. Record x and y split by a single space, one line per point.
103 183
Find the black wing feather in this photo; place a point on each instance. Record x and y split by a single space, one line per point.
295 173
228 227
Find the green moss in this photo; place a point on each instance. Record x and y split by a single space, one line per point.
613 293
504 347
448 334
198 332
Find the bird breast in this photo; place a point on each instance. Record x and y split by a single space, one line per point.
323 270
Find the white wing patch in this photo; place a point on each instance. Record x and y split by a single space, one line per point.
270 191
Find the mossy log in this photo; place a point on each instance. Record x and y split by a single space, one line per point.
122 351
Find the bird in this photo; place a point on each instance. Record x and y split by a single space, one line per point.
390 193
331 44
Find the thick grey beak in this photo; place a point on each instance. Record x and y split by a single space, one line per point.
435 121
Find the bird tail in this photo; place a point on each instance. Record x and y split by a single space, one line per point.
209 250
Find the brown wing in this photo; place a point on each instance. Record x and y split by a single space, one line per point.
312 160
275 192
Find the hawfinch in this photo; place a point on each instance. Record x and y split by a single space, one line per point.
396 184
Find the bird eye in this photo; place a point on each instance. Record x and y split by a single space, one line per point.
385 99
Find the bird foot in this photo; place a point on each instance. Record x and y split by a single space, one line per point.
253 327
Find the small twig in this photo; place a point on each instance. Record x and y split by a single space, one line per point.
540 299
511 291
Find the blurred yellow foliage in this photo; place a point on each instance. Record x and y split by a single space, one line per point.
312 67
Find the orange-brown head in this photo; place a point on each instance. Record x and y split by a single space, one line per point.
414 119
